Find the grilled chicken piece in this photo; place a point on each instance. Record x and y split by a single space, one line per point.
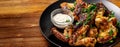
101 22
78 9
107 29
68 31
87 41
113 20
78 36
66 5
107 34
93 32
82 40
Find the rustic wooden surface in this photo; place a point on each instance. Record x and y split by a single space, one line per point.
19 23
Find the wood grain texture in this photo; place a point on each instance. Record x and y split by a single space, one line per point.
117 2
19 23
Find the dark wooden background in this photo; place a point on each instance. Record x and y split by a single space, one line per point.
19 22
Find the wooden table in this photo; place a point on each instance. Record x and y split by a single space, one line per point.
19 23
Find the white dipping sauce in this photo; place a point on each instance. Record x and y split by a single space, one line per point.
62 19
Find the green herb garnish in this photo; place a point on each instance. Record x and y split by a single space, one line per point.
75 3
108 20
67 36
91 8
85 22
91 26
67 20
114 37
88 19
118 23
72 9
112 14
111 32
77 23
90 13
111 41
84 10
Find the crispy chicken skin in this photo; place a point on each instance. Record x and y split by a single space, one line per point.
93 32
66 5
104 35
79 39
87 41
105 26
78 34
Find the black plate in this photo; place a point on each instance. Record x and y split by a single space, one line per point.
46 24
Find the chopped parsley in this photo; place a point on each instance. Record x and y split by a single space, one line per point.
88 19
91 8
67 20
67 36
72 9
90 11
75 3
112 14
84 10
118 23
111 41
111 32
77 23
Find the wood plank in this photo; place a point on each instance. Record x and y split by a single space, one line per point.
18 6
19 22
22 15
116 2
20 33
23 42
22 11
